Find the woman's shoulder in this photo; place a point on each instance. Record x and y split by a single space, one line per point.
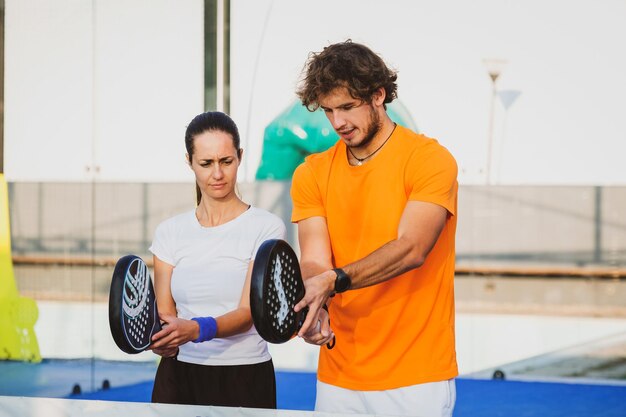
264 215
266 221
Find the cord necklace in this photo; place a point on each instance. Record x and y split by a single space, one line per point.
360 160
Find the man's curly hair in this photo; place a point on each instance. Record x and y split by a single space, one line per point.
346 64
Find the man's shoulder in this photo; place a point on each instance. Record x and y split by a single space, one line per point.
415 139
322 157
316 163
425 145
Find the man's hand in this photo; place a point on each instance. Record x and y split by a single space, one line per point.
317 292
321 333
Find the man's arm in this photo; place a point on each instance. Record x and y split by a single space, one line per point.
315 252
419 228
315 258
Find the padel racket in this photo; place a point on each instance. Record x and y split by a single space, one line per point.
275 289
133 315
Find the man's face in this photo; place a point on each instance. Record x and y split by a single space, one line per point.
355 121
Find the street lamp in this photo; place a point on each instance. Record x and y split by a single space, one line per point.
494 69
507 98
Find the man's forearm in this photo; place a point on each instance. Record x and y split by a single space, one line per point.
388 261
311 268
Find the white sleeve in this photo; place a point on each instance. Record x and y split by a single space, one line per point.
273 228
163 244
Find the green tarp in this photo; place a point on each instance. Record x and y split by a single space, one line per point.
297 132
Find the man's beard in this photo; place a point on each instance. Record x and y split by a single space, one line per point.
372 130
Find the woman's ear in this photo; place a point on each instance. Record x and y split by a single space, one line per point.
187 160
240 154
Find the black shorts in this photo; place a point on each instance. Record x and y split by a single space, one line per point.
252 386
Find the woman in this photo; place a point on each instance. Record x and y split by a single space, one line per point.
211 352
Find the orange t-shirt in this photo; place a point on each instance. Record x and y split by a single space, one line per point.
399 332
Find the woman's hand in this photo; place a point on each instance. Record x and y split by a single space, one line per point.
175 332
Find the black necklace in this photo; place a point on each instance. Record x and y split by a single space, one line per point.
360 160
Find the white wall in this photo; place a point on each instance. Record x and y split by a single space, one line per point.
111 86
114 85
567 58
482 340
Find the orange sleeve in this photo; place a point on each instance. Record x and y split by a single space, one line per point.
433 177
305 194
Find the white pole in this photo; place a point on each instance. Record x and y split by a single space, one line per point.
219 88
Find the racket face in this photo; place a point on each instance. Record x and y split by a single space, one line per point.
133 315
275 289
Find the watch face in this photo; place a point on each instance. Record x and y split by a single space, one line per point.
342 283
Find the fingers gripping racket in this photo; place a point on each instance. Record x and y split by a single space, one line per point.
133 315
275 289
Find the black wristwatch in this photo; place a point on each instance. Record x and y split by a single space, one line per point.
342 282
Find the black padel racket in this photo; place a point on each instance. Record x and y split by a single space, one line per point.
275 289
133 315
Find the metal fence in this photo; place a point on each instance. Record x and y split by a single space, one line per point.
520 225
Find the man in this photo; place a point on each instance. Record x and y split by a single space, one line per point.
376 217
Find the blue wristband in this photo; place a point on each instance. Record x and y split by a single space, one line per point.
208 328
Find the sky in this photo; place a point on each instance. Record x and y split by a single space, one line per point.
564 61
103 90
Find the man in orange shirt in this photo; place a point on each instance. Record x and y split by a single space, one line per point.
376 217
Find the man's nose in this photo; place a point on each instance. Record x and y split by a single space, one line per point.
337 120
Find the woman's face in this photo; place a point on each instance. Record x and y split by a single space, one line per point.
215 163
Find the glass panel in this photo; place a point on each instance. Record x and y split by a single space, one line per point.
540 282
539 286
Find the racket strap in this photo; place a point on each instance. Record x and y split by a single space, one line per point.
208 328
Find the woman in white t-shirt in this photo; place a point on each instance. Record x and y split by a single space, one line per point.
211 352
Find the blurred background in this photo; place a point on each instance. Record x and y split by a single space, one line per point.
528 96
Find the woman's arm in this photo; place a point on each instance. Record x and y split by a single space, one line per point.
165 304
240 319
177 331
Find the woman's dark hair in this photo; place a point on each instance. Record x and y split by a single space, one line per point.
350 65
209 122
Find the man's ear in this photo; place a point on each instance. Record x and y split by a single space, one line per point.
378 98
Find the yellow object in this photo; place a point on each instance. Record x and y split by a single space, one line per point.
18 315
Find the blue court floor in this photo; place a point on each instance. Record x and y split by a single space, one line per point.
129 381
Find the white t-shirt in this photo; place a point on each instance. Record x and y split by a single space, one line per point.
210 266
